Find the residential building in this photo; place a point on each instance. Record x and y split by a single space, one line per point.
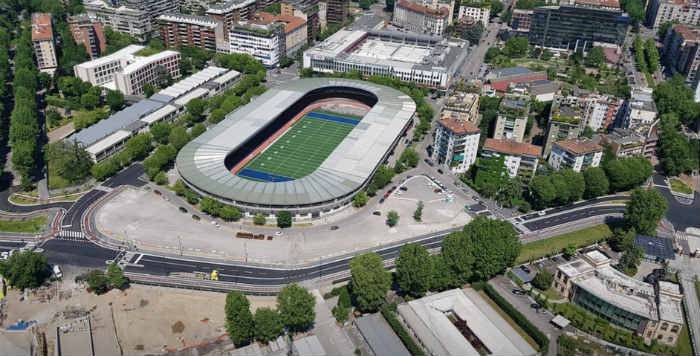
639 111
153 8
337 11
676 11
462 106
600 111
101 71
265 42
89 33
230 12
521 159
513 112
192 31
565 118
194 7
420 19
479 12
501 79
426 61
153 69
520 20
459 322
307 10
576 154
625 143
456 144
43 42
681 53
108 136
134 22
294 30
540 90
579 24
654 312
322 9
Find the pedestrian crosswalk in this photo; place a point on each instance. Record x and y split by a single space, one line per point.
70 235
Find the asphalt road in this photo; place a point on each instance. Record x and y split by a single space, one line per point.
71 221
573 216
680 215
577 205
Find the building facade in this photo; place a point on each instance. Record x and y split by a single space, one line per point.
639 111
308 10
230 13
521 20
294 30
478 13
420 19
132 78
265 42
456 144
521 159
43 42
337 10
192 31
101 71
89 33
576 154
134 22
625 143
513 112
565 121
680 52
462 106
676 11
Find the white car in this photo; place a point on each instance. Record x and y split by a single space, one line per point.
278 233
541 213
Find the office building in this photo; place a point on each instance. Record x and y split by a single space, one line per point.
478 12
681 54
101 71
134 22
521 159
456 144
230 12
459 322
89 33
307 10
265 42
424 60
462 106
654 312
577 154
153 69
153 8
676 11
420 19
43 42
191 31
579 25
294 30
520 20
639 111
513 112
565 119
109 135
337 10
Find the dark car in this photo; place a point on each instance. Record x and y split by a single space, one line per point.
381 200
535 306
440 171
196 217
377 212
182 210
518 292
525 269
404 188
334 227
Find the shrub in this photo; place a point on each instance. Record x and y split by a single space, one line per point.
400 331
259 219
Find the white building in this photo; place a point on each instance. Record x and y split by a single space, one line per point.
577 154
135 22
101 70
265 42
521 159
147 70
421 19
43 42
456 144
480 14
427 61
662 11
639 111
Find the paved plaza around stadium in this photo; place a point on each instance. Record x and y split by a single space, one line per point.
155 224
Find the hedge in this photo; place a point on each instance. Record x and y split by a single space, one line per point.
398 328
537 335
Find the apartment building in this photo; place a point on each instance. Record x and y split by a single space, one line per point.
193 31
576 154
624 142
337 10
676 11
420 19
521 159
153 8
521 20
265 42
134 22
462 106
639 111
101 71
501 79
294 30
89 33
309 10
43 42
230 12
456 144
477 12
565 121
131 79
513 112
680 52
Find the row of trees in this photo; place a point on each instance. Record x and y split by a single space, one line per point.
646 55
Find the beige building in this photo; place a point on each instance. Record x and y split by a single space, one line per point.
294 30
147 70
521 159
512 118
462 106
43 42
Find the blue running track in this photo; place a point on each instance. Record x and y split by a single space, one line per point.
262 176
340 119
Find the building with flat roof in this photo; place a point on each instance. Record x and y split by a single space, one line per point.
379 336
462 106
294 30
337 11
264 42
625 143
89 33
521 20
134 22
131 79
659 12
521 159
192 31
309 10
230 12
43 42
653 312
456 144
101 71
479 12
459 322
513 112
502 79
419 18
109 135
639 111
565 121
577 154
424 60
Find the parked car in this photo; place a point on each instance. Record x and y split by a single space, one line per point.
404 188
182 209
518 292
440 171
334 227
377 212
57 273
196 217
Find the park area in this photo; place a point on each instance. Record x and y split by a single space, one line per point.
552 246
24 225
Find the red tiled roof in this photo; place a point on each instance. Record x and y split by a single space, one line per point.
600 3
41 27
579 147
459 127
512 148
422 9
688 33
291 23
502 84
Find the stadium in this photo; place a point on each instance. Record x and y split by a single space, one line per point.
306 146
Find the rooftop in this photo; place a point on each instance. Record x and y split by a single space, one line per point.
139 62
612 4
512 148
459 127
188 19
125 54
579 146
42 30
642 98
228 6
442 12
461 100
379 335
689 33
291 23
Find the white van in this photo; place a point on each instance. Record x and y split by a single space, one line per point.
57 273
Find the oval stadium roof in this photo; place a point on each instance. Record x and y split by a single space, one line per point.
201 162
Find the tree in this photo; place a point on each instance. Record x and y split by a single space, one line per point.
149 90
595 57
68 160
516 47
676 152
115 100
627 173
239 319
284 219
673 96
116 277
268 324
639 54
418 214
644 210
569 251
196 109
651 55
230 213
495 246
542 192
360 199
496 7
97 282
25 270
409 159
160 132
178 137
443 277
543 280
259 219
197 129
413 274
160 178
596 182
369 280
631 258
457 252
89 101
296 307
392 218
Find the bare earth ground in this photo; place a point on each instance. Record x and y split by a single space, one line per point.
140 320
155 225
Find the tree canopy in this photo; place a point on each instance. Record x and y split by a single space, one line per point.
413 271
239 319
644 210
296 307
370 281
25 269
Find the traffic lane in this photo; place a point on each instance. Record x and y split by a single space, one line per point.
573 216
129 176
680 215
75 213
5 204
577 205
77 253
11 245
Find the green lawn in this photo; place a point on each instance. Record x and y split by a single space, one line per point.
24 225
678 185
554 245
301 149
148 51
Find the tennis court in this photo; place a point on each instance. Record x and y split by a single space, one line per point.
302 149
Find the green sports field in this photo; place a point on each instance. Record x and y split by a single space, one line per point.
299 151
